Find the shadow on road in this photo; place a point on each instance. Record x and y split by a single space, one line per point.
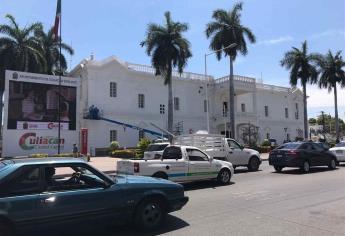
171 224
244 171
204 184
298 171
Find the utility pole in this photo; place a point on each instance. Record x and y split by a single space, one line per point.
323 125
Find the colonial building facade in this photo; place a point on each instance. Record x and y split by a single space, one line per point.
134 99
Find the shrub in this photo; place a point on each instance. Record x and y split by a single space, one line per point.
266 142
142 146
114 145
38 155
128 153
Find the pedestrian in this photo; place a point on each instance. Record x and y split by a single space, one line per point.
75 150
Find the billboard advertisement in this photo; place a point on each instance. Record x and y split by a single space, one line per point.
31 114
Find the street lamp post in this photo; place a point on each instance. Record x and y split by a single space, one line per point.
206 81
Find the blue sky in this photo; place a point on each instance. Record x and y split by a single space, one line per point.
108 27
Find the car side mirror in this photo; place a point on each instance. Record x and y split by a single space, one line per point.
242 147
211 159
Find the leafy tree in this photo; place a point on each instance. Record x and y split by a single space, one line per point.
312 121
168 49
19 50
51 52
332 73
300 64
226 29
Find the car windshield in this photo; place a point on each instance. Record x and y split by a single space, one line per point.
156 147
341 144
289 146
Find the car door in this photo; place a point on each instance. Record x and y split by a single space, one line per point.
200 167
236 154
322 157
173 164
19 196
68 201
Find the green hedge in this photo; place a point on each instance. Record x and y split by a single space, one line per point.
43 155
127 154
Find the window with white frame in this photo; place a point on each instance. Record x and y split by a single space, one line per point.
225 109
286 112
243 107
266 111
113 89
141 100
176 103
162 109
205 106
141 134
113 135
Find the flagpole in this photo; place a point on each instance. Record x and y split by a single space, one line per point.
60 72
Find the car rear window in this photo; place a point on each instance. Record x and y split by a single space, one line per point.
289 146
172 153
3 164
342 144
156 147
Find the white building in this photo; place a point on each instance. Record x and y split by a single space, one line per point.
131 94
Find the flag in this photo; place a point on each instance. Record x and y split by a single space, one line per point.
57 20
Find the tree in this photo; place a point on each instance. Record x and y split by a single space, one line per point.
226 29
302 67
332 73
168 49
19 50
51 51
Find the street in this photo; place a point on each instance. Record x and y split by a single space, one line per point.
258 203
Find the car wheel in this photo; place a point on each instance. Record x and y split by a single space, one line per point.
149 214
224 176
254 164
160 175
332 165
306 167
5 229
278 168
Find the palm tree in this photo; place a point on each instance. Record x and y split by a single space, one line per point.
331 73
51 51
19 50
168 49
226 29
302 67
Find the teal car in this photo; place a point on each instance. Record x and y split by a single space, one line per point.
53 191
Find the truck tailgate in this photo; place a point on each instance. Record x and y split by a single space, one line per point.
125 167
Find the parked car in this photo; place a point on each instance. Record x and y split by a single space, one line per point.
52 191
219 147
339 151
155 150
301 154
180 164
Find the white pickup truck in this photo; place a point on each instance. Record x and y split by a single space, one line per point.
179 164
219 147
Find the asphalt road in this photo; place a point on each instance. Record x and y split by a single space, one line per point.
258 203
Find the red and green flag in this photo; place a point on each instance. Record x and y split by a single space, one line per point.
57 20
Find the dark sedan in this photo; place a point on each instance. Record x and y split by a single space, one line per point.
48 192
302 155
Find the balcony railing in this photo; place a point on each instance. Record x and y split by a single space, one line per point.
176 74
238 78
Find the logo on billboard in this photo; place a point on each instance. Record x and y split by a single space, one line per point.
15 75
30 141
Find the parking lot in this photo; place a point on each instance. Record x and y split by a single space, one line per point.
256 203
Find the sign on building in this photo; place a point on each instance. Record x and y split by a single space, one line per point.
31 114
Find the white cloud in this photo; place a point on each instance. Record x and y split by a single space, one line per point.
321 97
329 33
282 39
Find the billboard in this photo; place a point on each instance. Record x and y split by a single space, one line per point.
31 113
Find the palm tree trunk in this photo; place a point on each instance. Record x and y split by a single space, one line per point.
232 100
305 111
170 103
336 112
